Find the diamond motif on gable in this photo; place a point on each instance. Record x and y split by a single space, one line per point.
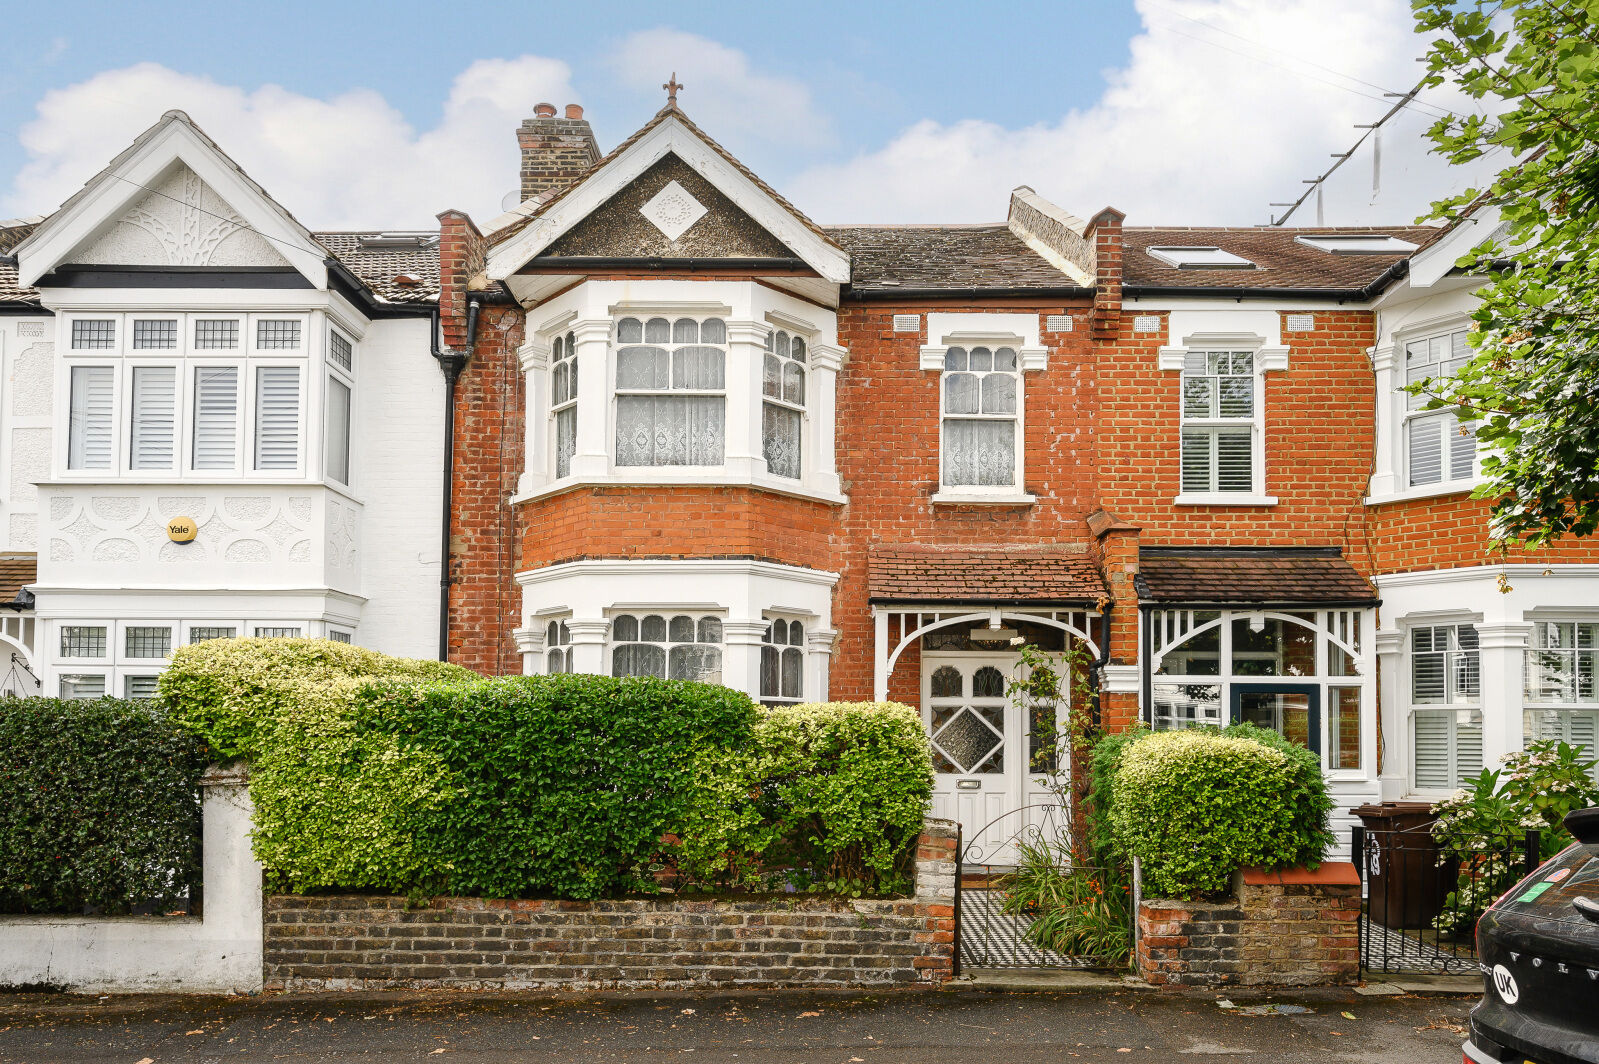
672 210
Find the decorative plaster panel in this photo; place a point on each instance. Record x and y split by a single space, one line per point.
181 222
33 380
30 462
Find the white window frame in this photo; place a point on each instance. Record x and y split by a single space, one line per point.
1021 333
1411 411
1255 423
667 612
1017 420
618 393
806 624
346 377
779 401
185 358
1563 709
562 339
1172 628
1454 710
1269 358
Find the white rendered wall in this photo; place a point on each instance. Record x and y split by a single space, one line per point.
398 458
26 394
220 952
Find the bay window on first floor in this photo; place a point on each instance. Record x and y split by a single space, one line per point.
1306 674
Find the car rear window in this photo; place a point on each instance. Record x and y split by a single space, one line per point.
1547 893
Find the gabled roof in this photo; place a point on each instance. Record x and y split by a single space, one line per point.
129 177
927 258
1281 261
522 233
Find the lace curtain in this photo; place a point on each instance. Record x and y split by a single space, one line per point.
980 400
663 428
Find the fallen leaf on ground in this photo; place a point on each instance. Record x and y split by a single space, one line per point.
803 1015
1347 1015
439 1050
147 1060
193 1032
686 1012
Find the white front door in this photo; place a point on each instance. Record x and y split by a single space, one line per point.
979 749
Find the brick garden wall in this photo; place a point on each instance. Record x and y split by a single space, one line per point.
366 942
1293 928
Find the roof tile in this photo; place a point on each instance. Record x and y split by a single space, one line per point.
912 574
1251 576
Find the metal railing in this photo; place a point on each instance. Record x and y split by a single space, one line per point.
1422 901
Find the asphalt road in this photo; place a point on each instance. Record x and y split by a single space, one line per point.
747 1028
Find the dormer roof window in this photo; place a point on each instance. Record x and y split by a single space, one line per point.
1201 258
1357 243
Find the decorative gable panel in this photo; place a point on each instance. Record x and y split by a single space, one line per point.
629 224
181 222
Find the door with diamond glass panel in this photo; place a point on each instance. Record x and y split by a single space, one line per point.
979 751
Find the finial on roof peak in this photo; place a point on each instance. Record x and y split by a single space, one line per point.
671 88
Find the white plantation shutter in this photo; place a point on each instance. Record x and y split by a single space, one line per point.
216 416
155 415
1234 460
1468 751
338 431
1427 450
277 417
1432 755
90 432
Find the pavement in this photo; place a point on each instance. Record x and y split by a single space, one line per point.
750 1027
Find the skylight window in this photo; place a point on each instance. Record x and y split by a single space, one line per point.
1201 258
1357 243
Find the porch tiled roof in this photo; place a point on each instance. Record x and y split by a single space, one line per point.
1313 576
16 572
911 574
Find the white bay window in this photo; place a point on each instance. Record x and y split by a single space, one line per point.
1446 705
162 395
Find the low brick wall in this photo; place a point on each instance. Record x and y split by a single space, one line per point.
1289 928
364 942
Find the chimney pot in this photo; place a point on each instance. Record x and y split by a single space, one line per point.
544 110
574 110
555 151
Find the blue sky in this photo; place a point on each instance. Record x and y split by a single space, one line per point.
1194 111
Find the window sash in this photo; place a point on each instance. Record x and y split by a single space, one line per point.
215 432
153 418
1446 750
336 443
1437 357
1445 666
91 427
1438 450
277 418
1218 460
980 453
1563 664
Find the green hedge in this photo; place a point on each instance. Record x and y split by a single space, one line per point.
416 778
99 806
1196 805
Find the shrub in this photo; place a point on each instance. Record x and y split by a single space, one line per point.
99 806
1195 805
227 690
1085 912
1104 762
558 784
834 793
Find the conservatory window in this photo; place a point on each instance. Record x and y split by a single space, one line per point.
783 662
684 647
671 402
563 400
1438 447
783 404
1218 422
981 391
558 653
1297 673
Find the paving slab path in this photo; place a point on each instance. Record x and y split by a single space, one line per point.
750 1027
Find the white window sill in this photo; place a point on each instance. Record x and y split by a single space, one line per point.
641 476
1223 499
1429 491
978 498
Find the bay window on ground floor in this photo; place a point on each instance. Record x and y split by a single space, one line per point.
758 627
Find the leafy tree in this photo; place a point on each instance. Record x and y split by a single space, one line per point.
1532 389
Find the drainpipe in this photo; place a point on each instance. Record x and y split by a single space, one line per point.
452 363
1099 665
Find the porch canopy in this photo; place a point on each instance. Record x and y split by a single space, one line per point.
915 590
1258 577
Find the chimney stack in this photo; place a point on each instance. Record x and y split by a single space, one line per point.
554 150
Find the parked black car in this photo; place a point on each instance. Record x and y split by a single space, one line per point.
1538 947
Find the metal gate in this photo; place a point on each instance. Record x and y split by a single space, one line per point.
998 925
1422 904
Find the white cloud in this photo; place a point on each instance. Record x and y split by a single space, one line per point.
1186 133
351 161
723 94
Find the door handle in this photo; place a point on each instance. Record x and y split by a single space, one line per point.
1587 907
